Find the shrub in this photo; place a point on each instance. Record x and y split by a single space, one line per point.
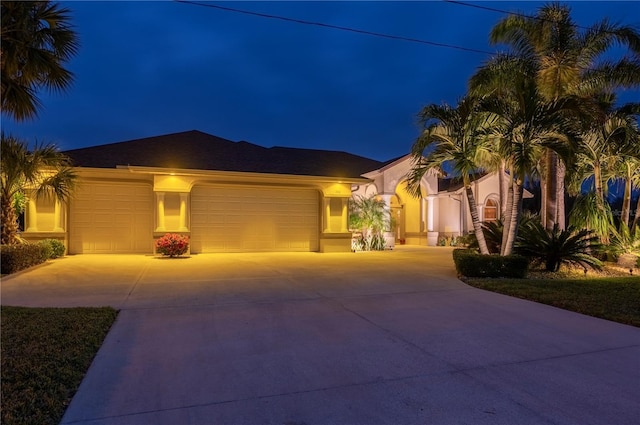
556 247
624 241
172 244
22 256
469 263
372 242
57 247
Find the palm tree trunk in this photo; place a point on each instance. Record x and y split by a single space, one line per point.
506 219
597 181
543 201
636 220
560 212
475 219
502 179
518 190
8 221
551 195
626 202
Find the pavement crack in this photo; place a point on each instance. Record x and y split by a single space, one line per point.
137 281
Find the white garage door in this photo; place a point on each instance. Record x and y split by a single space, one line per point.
111 218
246 219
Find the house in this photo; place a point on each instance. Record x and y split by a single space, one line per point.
238 197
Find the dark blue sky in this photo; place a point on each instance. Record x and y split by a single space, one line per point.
151 68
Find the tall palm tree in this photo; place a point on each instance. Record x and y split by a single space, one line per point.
598 160
36 40
567 62
43 169
455 136
628 170
528 123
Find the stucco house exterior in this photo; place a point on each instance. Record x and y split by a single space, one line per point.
239 197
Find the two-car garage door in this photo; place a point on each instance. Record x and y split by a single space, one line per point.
228 218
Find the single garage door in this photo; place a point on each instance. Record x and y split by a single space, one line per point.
249 219
111 218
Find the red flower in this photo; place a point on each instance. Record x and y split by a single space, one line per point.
172 244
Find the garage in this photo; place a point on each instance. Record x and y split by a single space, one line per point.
111 218
238 218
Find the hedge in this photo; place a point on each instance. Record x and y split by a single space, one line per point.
19 257
469 263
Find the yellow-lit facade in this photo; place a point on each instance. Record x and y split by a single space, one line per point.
125 209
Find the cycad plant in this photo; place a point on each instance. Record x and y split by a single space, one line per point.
556 247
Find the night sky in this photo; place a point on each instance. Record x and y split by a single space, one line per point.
151 68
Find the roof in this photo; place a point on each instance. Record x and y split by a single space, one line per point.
201 151
453 184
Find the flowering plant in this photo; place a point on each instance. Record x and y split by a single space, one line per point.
172 244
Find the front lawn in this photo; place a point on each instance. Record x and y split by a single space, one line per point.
45 354
612 298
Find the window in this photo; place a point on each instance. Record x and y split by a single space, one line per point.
490 210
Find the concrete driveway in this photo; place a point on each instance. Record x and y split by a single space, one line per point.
368 338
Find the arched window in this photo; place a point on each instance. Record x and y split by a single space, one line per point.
490 210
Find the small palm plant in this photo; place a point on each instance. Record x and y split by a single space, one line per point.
369 216
556 247
625 245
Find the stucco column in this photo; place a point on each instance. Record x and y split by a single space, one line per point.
160 204
327 214
389 237
429 214
32 215
57 217
432 233
345 215
183 212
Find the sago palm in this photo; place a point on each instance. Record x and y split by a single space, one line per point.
43 170
556 247
456 136
36 40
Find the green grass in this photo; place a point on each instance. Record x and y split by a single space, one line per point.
45 353
611 298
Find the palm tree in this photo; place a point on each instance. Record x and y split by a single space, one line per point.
44 169
455 136
36 40
369 215
528 123
599 158
567 62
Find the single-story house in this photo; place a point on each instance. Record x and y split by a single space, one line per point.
240 197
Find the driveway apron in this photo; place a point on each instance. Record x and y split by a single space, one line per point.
304 338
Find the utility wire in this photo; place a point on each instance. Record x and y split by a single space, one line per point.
501 11
337 27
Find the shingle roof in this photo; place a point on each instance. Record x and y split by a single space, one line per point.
452 184
202 151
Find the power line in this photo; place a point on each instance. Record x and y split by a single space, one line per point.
501 11
337 27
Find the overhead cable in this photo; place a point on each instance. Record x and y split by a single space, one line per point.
337 27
